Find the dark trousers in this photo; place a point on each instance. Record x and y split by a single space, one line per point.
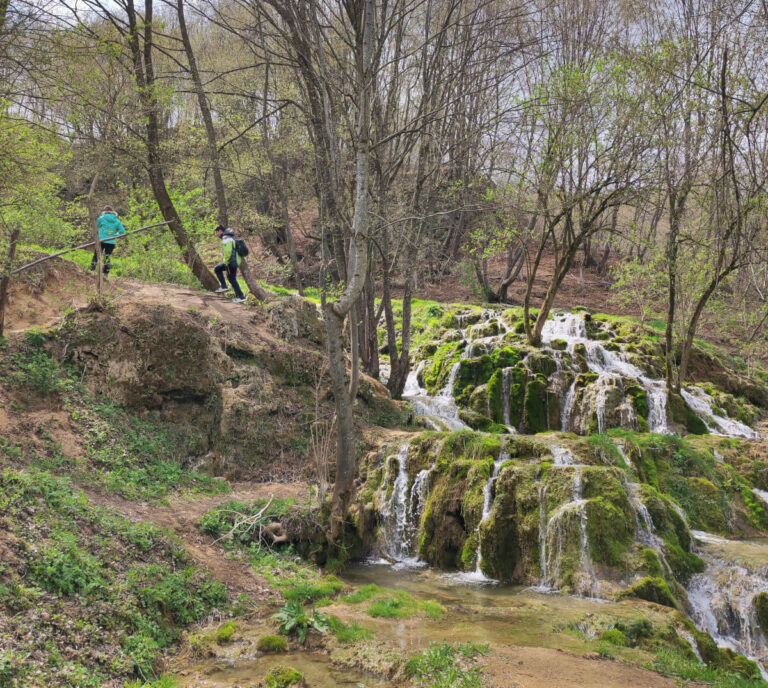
231 273
106 250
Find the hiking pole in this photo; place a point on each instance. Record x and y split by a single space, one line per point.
88 245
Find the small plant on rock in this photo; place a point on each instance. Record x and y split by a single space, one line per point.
294 620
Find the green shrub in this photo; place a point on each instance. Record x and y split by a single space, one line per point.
615 637
272 643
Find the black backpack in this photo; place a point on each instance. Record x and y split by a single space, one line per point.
241 248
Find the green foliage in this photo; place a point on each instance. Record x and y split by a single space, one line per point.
283 677
635 631
35 369
272 643
64 569
162 682
179 597
294 620
447 666
615 637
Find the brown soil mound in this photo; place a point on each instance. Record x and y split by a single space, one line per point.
39 296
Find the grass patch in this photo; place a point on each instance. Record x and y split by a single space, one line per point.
347 634
447 666
676 664
362 594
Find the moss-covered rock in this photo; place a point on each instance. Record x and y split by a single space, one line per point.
436 374
541 363
535 405
652 590
760 603
679 412
472 372
283 677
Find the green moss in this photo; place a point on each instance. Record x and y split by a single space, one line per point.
541 363
639 399
756 510
472 372
283 677
652 590
272 643
535 405
651 563
436 373
609 531
505 357
681 413
225 632
760 602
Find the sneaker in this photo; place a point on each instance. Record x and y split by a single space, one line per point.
221 290
238 300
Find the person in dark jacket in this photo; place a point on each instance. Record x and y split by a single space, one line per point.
109 227
231 262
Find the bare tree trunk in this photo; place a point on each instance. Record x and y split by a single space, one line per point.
5 278
357 270
145 80
92 218
672 250
253 285
205 111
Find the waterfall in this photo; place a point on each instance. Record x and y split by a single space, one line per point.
762 494
395 511
645 532
556 534
441 409
656 393
565 414
562 456
721 604
505 373
701 403
487 509
543 536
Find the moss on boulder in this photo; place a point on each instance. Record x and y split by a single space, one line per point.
652 590
760 603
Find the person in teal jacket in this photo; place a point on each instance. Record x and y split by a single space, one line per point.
109 227
230 264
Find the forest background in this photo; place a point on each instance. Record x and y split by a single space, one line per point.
371 148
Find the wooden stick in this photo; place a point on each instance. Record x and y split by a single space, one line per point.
88 245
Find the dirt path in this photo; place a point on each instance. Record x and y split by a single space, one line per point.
539 667
181 517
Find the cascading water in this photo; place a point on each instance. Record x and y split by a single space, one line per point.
701 404
762 494
477 576
394 512
721 600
